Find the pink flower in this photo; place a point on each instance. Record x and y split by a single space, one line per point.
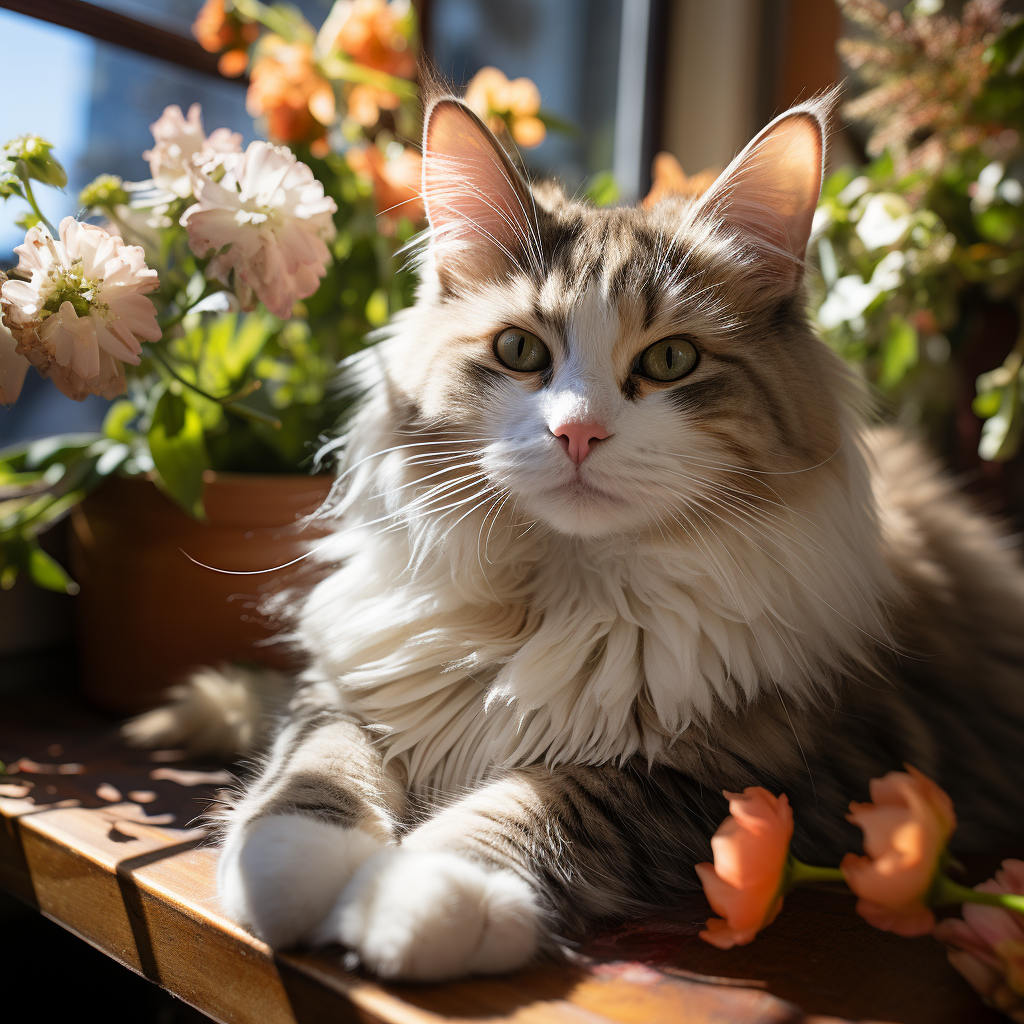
745 883
13 366
987 946
273 217
79 316
182 144
906 828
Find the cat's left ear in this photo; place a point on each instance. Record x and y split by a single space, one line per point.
767 195
481 212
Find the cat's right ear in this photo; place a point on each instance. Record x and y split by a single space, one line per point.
483 222
768 194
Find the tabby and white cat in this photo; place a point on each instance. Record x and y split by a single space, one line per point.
611 536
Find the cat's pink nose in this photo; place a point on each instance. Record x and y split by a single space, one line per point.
577 437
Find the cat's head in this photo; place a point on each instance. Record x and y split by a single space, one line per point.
610 368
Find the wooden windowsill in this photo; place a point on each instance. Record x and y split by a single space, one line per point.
102 840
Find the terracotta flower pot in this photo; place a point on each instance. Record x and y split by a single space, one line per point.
146 614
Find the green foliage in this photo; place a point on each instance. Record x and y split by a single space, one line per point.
39 485
602 189
905 244
178 448
30 156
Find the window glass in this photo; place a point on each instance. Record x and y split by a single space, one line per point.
178 15
570 49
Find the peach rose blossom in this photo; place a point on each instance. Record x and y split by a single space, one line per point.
365 102
371 33
80 314
216 30
13 366
669 179
286 89
745 883
396 183
987 946
272 216
503 104
906 828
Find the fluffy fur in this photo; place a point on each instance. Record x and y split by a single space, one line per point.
530 679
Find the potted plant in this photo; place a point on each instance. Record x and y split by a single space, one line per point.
212 304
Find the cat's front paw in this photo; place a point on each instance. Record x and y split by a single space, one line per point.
431 916
281 875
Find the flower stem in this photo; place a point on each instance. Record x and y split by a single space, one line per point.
31 200
229 402
173 321
798 873
946 891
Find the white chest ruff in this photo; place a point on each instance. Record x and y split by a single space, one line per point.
585 655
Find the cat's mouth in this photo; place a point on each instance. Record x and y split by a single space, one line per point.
580 488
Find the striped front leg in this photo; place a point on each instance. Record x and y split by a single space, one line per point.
539 852
321 805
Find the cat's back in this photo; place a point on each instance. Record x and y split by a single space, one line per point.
958 626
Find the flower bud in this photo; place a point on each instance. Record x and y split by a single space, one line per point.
106 190
31 157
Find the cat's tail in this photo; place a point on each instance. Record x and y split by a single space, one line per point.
221 712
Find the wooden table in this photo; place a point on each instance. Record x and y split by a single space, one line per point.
104 841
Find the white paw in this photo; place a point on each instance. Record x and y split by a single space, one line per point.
281 875
431 916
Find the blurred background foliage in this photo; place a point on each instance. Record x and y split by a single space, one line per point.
921 251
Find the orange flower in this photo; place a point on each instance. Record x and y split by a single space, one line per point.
906 828
365 102
371 32
671 180
218 30
507 105
286 89
987 946
396 183
745 884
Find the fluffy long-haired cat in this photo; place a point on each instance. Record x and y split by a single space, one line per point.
610 536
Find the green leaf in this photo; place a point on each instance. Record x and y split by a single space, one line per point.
179 452
48 573
602 189
1001 433
899 352
377 308
115 423
986 403
28 220
112 459
998 224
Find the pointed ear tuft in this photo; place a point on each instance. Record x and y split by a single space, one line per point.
768 194
481 211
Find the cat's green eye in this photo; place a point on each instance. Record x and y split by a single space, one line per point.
521 350
667 360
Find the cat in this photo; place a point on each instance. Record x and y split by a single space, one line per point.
610 535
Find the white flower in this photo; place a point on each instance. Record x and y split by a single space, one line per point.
886 220
847 300
850 296
273 217
886 276
79 316
13 367
181 145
